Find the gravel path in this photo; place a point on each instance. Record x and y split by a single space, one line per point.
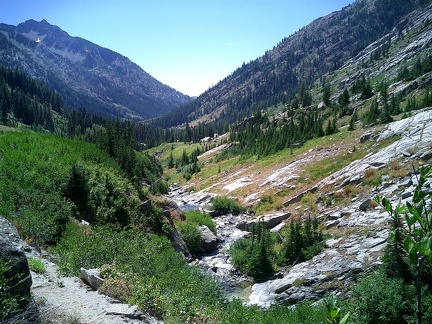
69 300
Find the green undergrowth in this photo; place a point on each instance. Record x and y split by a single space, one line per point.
45 180
161 282
42 180
189 229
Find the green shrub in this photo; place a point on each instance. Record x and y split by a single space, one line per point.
236 312
191 236
9 303
189 229
379 299
36 265
240 253
223 205
264 204
199 218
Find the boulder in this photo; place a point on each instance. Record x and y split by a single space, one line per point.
366 137
12 252
91 277
365 205
296 295
209 239
269 220
175 237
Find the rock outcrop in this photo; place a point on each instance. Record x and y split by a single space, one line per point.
18 275
363 227
91 277
209 239
12 252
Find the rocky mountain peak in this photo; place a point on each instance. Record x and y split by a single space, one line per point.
85 74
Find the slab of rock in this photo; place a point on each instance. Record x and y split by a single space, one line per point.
91 277
11 251
365 205
125 310
269 220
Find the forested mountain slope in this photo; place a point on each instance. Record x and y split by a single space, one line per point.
298 63
85 74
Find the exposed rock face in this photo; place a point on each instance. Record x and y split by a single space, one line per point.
11 251
416 136
269 220
170 208
363 226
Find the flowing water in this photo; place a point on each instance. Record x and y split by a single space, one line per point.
217 263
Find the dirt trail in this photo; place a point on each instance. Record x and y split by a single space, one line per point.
68 300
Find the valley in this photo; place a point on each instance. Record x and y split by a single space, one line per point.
297 189
358 229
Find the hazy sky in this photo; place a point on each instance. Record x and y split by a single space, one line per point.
189 45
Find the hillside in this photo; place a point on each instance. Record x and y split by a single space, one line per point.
85 74
309 57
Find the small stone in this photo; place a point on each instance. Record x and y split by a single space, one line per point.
406 194
365 205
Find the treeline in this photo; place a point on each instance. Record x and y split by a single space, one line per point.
25 101
258 135
257 256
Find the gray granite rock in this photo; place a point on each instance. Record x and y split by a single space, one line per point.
12 253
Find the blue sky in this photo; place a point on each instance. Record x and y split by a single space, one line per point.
189 45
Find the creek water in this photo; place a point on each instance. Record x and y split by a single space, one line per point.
217 263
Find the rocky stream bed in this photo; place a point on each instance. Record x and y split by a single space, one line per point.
360 229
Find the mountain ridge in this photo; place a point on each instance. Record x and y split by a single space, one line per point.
309 55
85 74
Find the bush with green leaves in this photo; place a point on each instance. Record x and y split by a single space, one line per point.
412 233
334 313
9 302
46 180
200 218
36 265
191 236
379 299
190 232
223 206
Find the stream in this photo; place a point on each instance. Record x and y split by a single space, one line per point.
217 263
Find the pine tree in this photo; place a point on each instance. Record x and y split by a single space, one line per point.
77 190
326 94
353 119
171 161
260 265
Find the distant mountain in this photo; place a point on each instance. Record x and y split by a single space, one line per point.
305 58
85 74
